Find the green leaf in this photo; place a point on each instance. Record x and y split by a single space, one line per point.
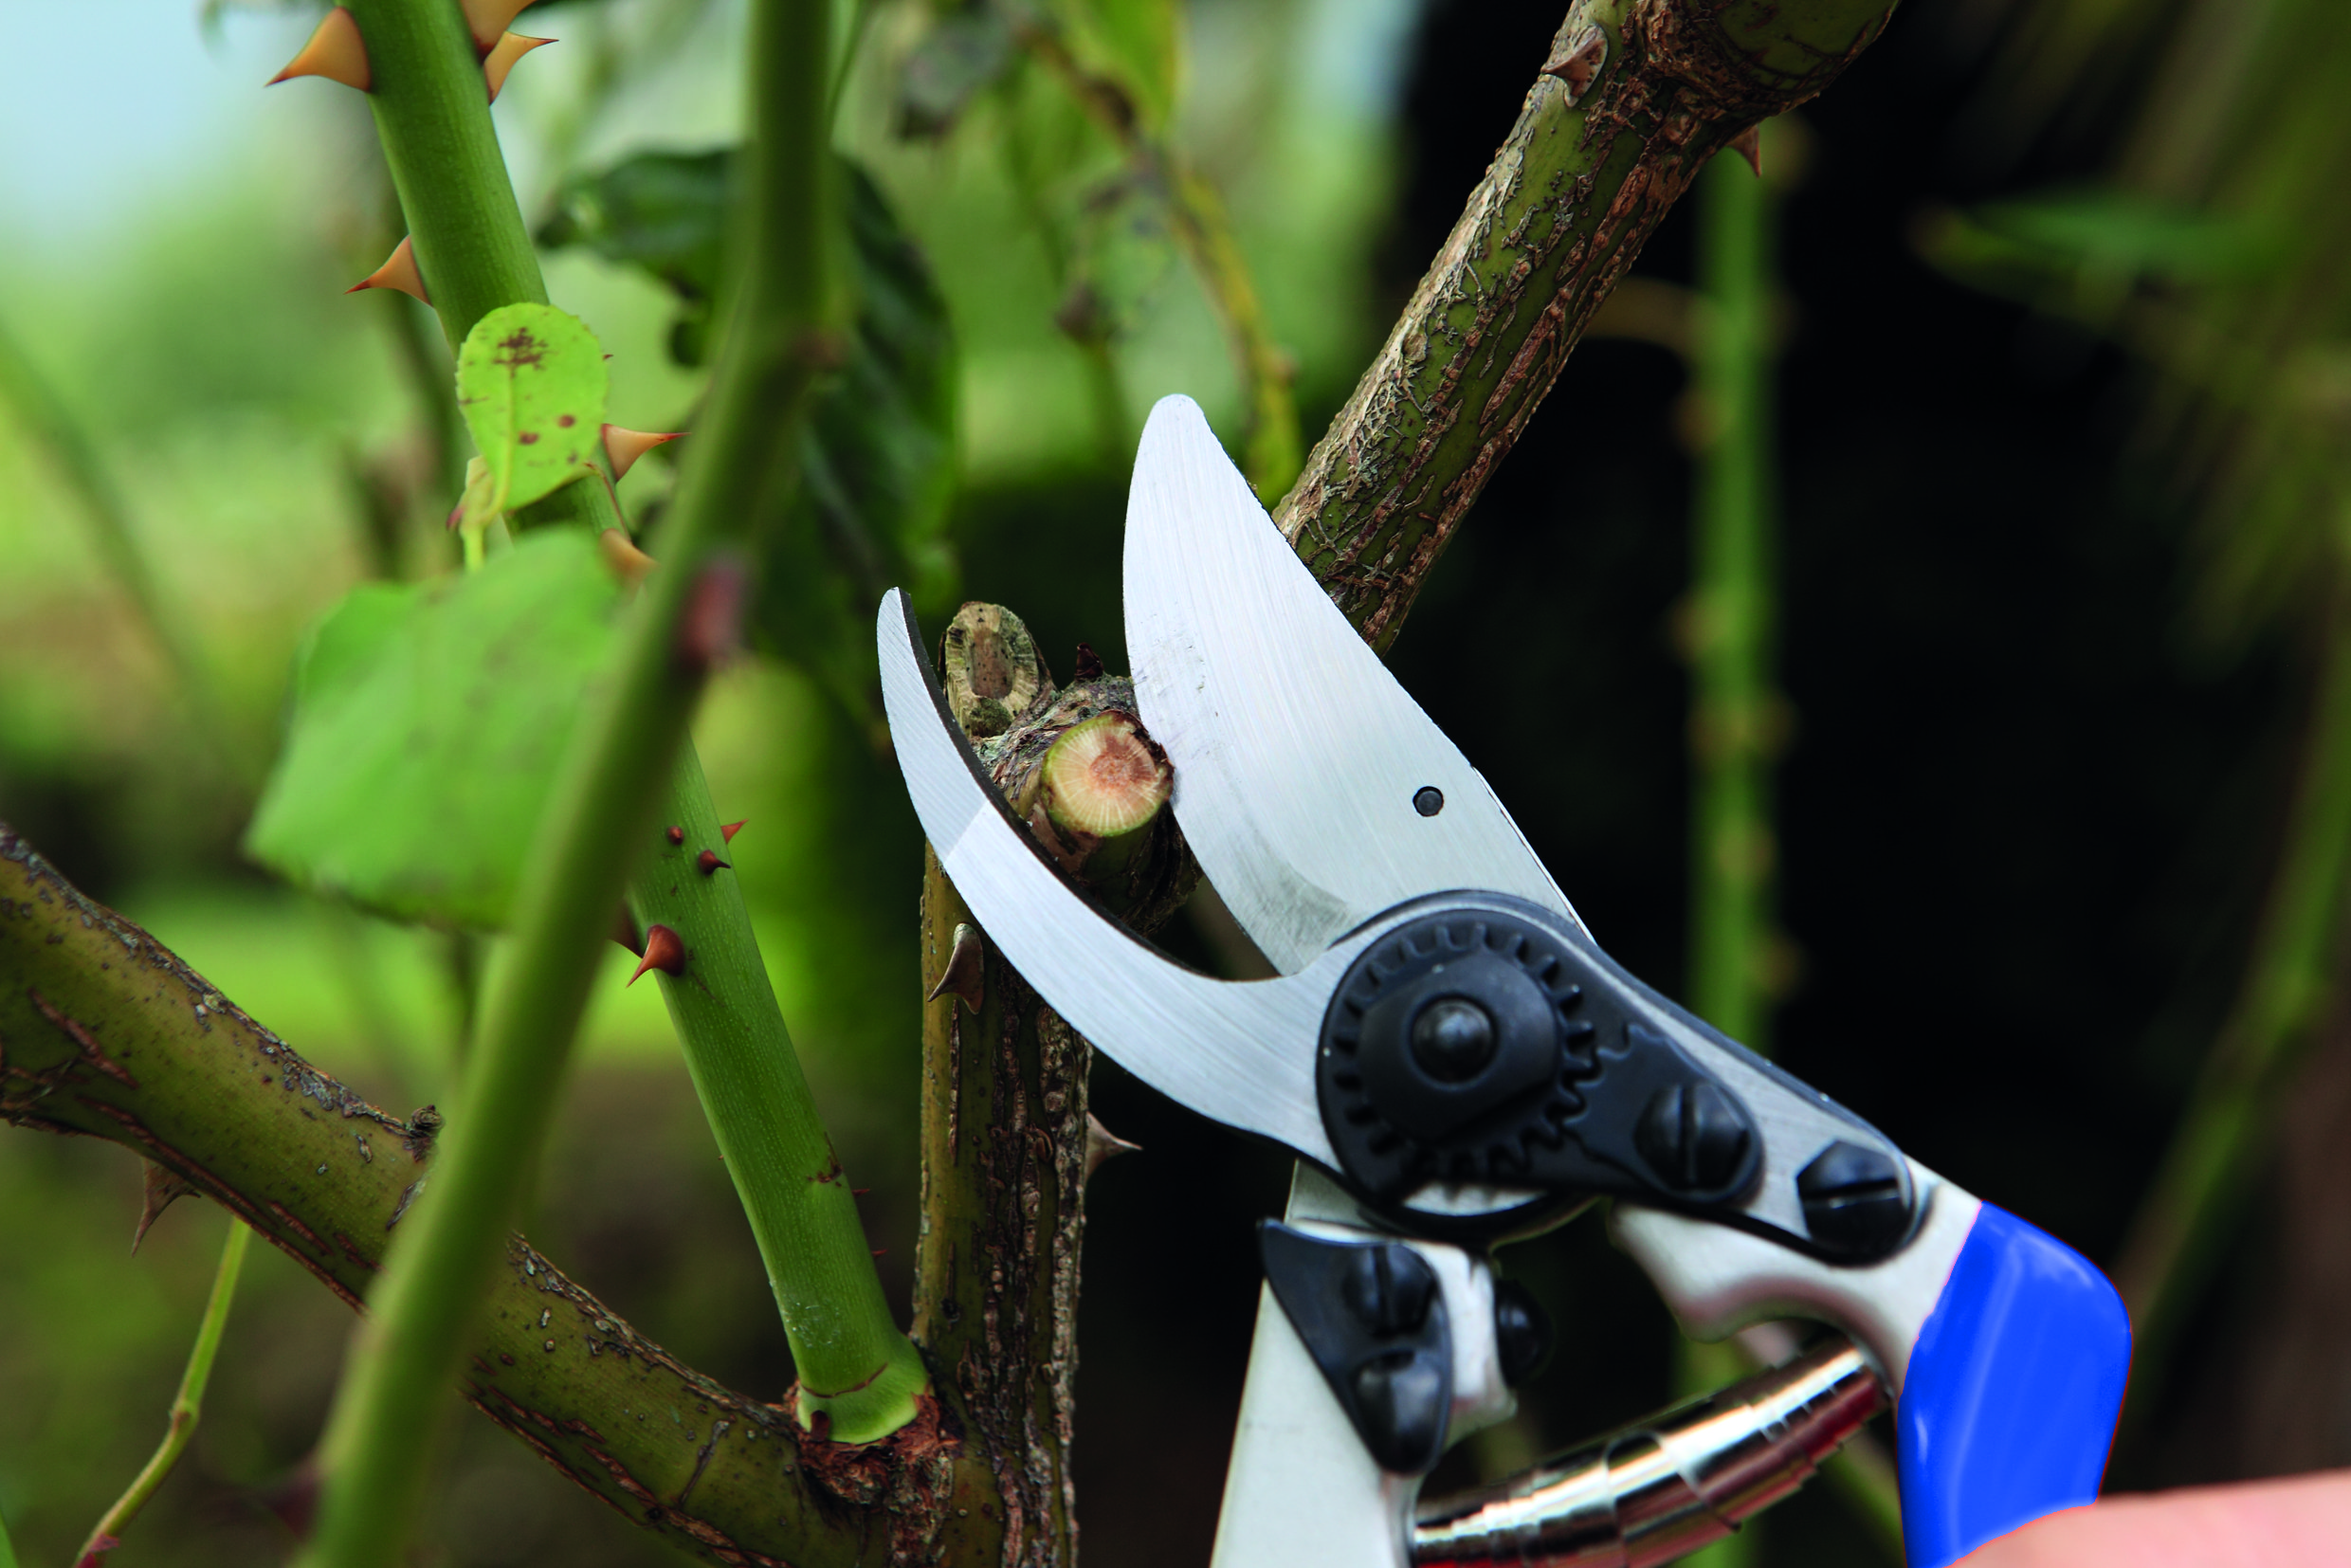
966 51
665 213
531 381
876 459
1123 248
1136 43
427 720
2058 236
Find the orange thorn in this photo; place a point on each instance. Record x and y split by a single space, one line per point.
501 58
1749 144
336 51
488 20
629 563
398 271
729 831
663 951
625 447
709 862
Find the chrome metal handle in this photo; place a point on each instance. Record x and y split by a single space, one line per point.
1661 1488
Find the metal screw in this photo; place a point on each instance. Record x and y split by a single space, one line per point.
1853 1202
1387 1288
1429 800
1693 1136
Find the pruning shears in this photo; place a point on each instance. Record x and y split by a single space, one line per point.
1455 1061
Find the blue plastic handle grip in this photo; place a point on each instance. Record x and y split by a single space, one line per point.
2008 1405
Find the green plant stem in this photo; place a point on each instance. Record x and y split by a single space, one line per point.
2177 1237
186 1407
856 1369
1730 614
1727 629
779 338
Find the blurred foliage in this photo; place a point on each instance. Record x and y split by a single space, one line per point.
877 460
426 724
2211 252
664 213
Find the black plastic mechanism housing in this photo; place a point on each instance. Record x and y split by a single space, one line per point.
1476 1047
1373 1316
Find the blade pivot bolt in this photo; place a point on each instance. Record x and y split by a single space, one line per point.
1855 1205
1429 800
1454 1039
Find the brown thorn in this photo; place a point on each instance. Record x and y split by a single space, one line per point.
965 976
664 951
1089 664
500 60
399 271
336 51
708 862
710 625
623 446
1579 62
488 20
625 931
675 834
729 831
161 1188
1102 1145
1749 145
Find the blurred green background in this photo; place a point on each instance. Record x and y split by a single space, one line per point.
2038 787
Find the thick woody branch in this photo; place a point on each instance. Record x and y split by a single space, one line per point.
1006 1140
1636 96
104 1032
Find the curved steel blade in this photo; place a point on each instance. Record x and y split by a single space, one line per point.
1297 757
1239 1051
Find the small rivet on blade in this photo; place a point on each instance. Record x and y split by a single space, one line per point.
1429 801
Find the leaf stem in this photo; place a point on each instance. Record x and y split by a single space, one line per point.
1270 452
186 1409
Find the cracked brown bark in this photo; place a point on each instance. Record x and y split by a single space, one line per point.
104 1032
1582 181
1004 1141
